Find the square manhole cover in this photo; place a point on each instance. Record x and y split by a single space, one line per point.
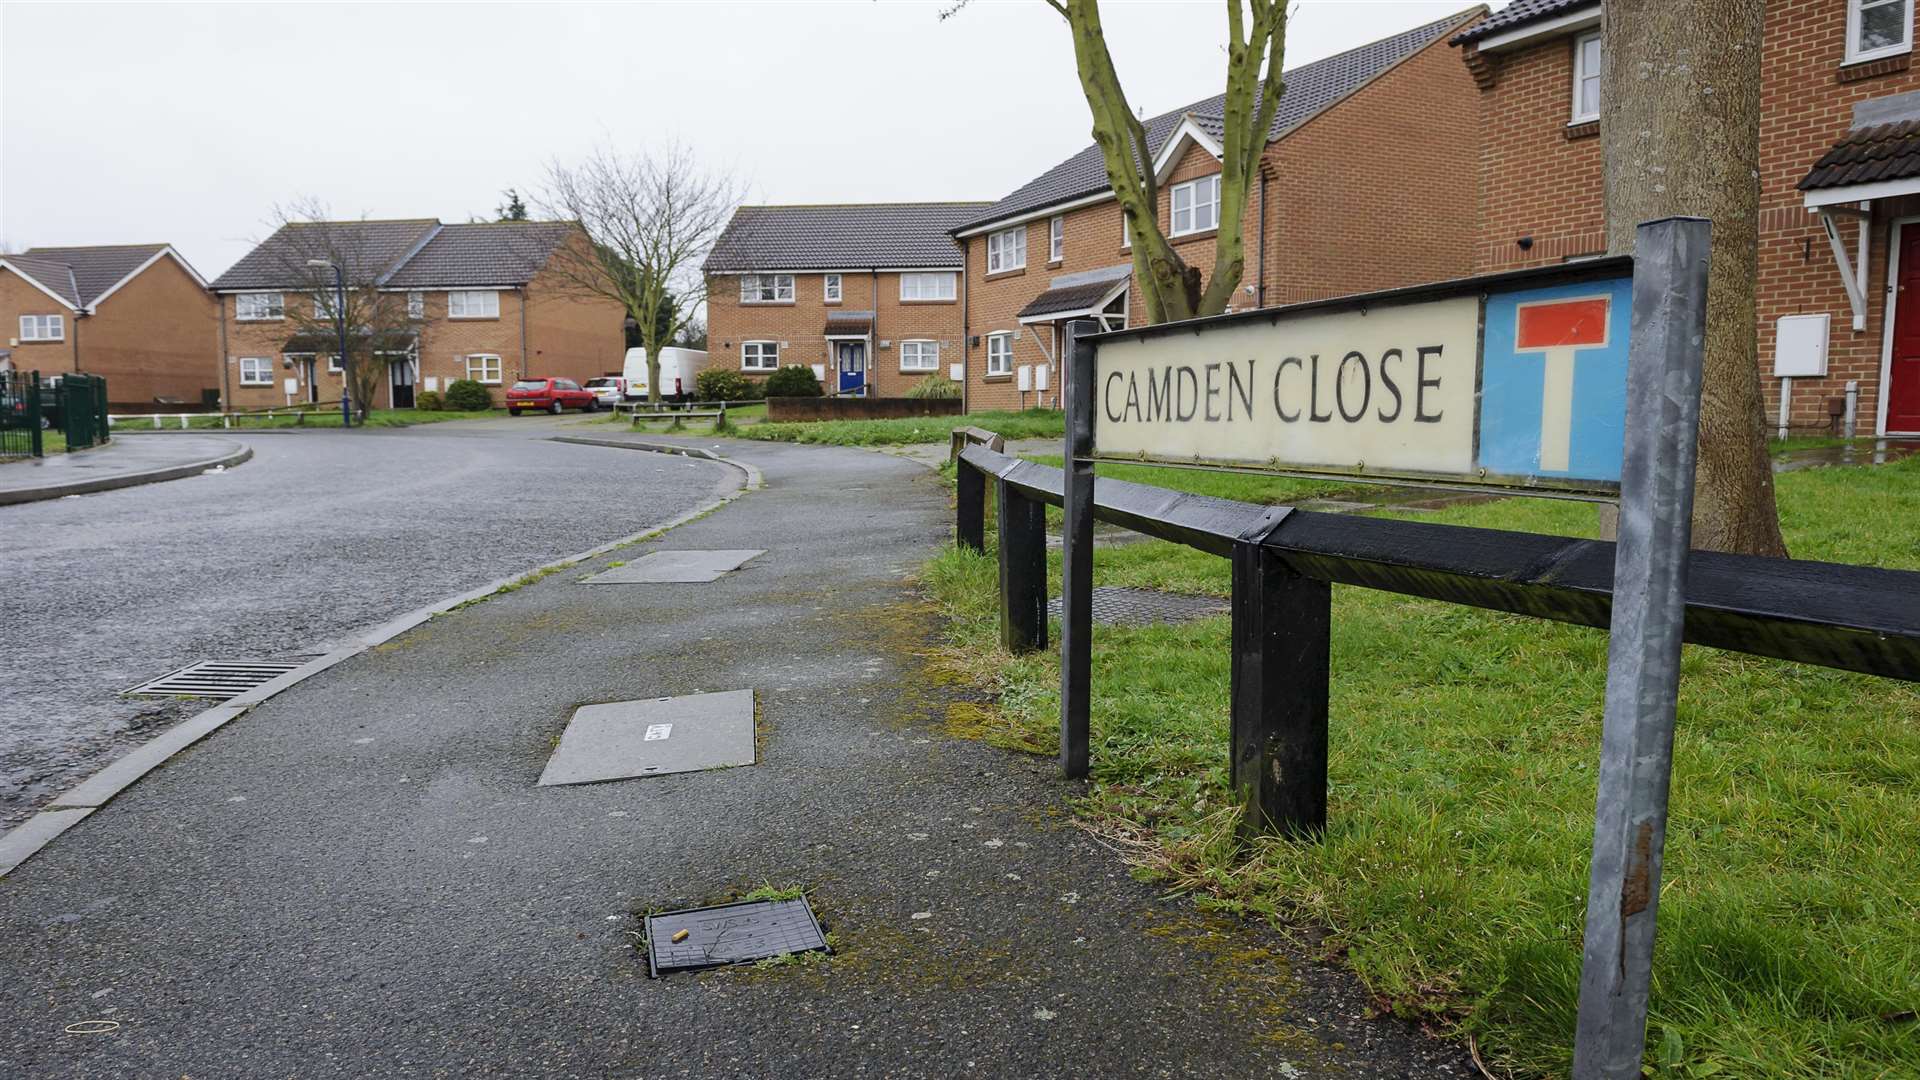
675 567
731 934
625 739
1113 606
220 679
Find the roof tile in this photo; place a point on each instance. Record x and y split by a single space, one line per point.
1518 14
1868 155
90 270
847 236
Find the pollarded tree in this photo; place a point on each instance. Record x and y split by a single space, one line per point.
650 220
1680 120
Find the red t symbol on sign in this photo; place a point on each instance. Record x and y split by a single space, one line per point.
1559 328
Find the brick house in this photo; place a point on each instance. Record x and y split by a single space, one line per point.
1839 226
482 302
1361 187
137 314
867 294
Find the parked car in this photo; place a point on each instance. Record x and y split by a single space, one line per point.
677 368
609 390
553 395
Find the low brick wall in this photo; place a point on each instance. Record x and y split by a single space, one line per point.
857 408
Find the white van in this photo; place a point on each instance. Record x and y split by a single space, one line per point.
677 370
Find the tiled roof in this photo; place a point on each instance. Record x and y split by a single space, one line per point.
1076 292
50 274
849 322
1868 155
1518 14
95 269
486 253
369 248
1310 89
847 236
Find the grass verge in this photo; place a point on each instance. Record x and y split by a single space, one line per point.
1028 424
1453 873
314 418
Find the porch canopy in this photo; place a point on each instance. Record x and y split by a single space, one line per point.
849 324
1878 158
1083 295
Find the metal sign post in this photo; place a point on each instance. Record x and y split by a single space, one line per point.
1667 344
1076 554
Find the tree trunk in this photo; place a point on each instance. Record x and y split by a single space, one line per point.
1680 123
653 372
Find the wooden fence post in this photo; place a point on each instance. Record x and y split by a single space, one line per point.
1282 625
1023 570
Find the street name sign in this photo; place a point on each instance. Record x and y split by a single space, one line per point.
1511 380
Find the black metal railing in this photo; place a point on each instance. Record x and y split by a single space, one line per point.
20 414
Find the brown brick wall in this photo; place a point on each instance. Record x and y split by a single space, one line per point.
158 336
800 326
1534 181
18 297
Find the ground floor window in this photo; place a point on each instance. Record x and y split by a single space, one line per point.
484 368
759 356
1000 354
919 356
256 371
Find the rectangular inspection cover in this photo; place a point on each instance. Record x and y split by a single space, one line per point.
731 934
625 739
674 567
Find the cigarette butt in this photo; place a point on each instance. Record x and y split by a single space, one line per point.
680 935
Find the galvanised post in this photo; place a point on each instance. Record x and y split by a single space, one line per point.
1076 562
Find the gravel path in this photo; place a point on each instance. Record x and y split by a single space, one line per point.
320 534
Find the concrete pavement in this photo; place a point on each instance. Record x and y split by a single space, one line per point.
360 878
124 461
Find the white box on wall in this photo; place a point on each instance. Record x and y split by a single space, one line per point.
1026 378
957 372
820 372
1800 346
433 384
1040 376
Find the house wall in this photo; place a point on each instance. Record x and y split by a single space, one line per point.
18 297
1541 179
157 337
800 326
572 336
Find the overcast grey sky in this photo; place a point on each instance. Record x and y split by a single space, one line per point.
188 123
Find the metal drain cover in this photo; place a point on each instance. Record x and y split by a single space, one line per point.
1115 606
731 934
625 739
670 567
220 679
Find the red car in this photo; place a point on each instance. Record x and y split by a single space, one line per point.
553 395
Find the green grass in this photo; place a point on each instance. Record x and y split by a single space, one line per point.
316 418
1029 424
1241 486
1453 871
739 415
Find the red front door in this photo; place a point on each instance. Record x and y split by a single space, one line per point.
1903 372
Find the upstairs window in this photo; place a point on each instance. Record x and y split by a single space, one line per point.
830 288
322 306
1877 28
1196 205
1007 249
254 306
416 305
1586 78
473 304
766 288
43 327
1056 238
926 286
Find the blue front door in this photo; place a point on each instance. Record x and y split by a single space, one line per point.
852 357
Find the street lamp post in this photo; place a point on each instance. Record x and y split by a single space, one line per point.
340 322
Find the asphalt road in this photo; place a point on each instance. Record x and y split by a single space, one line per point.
320 534
360 878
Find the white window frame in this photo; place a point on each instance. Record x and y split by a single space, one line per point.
1581 75
1006 356
831 288
763 350
1855 55
333 364
416 305
752 288
490 370
461 304
262 371
1006 246
1057 238
1193 189
320 306
266 307
45 328
926 355
943 287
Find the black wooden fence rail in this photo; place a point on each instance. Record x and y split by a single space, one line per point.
1854 618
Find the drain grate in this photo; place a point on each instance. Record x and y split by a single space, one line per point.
221 679
731 934
1113 606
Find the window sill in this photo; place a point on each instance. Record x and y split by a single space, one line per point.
256 386
997 378
766 303
829 303
1054 264
904 300
1202 234
758 370
42 340
919 371
1583 129
473 318
996 275
1872 68
261 318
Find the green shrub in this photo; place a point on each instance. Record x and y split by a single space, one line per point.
720 384
793 381
935 386
468 396
429 401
